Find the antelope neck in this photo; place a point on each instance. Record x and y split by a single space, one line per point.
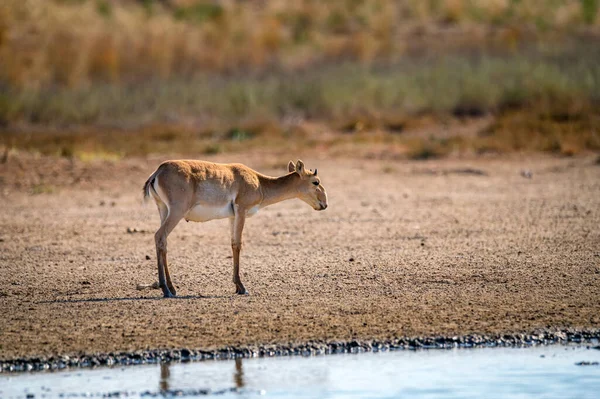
277 189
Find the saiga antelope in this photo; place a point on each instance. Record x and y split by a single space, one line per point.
200 191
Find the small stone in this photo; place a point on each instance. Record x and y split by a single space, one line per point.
527 174
351 260
148 257
584 363
131 230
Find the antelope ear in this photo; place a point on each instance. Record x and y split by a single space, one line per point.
291 167
300 167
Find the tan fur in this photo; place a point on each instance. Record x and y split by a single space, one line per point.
202 191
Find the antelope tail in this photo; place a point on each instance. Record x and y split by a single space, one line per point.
148 184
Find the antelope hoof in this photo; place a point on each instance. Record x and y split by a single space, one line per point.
167 293
241 291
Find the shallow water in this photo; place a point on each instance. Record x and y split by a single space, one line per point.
547 371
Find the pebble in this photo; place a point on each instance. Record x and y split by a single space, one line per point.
310 348
584 363
132 230
527 174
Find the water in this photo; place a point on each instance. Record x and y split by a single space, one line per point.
534 372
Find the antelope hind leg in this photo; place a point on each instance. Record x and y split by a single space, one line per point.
174 216
168 278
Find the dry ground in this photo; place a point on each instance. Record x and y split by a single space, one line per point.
405 248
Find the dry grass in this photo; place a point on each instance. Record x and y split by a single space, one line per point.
532 129
75 42
566 133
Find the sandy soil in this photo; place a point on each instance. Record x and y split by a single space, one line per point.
405 248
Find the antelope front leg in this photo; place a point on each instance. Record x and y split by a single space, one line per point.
237 226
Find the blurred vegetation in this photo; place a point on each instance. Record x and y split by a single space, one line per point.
75 42
234 71
461 86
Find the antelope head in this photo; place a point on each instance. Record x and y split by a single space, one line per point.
309 188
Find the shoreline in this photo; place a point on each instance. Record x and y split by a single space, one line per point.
306 349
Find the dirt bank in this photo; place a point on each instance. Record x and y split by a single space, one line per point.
405 248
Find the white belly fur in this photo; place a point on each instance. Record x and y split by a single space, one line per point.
203 213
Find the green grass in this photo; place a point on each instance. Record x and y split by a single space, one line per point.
589 10
199 13
462 86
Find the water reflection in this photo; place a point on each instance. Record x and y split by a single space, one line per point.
238 376
551 372
165 373
164 383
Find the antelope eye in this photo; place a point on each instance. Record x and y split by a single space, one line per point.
316 183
